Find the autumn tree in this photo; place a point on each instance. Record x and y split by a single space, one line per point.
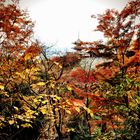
52 98
29 81
18 51
118 79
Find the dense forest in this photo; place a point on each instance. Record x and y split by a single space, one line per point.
58 98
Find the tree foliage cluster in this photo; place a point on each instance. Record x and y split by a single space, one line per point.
42 98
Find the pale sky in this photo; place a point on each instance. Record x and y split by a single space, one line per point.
61 22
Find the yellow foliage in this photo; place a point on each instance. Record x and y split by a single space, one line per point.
26 125
70 130
55 97
52 85
1 87
69 87
68 111
77 109
36 100
90 112
2 118
21 74
11 122
16 108
27 56
40 83
34 86
44 102
44 111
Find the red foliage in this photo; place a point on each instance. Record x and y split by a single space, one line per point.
57 59
83 76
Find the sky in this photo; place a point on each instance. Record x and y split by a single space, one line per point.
59 23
